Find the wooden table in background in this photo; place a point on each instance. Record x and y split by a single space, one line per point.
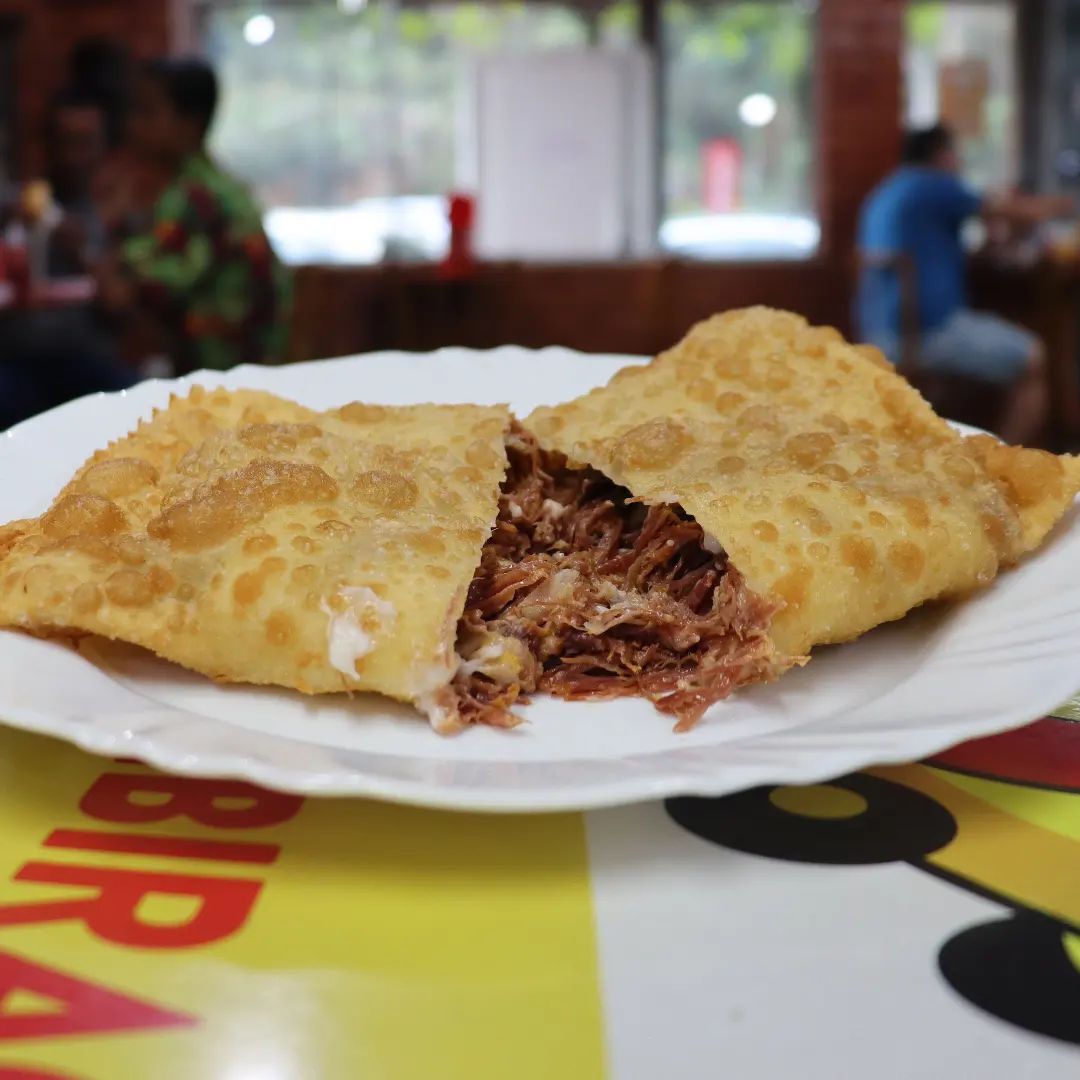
614 307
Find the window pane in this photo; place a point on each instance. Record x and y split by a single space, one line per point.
738 142
961 68
345 123
618 24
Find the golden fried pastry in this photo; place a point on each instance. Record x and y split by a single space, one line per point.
253 540
701 522
825 478
697 525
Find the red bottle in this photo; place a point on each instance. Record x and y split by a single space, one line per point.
459 262
17 272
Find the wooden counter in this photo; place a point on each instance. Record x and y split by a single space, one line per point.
639 307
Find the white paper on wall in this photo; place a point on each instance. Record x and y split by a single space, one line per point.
563 153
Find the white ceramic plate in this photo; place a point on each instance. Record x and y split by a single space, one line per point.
903 691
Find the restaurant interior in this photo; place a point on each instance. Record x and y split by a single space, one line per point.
597 174
344 740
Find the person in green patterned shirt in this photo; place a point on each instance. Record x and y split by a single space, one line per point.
202 266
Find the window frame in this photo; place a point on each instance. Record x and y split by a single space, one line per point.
651 37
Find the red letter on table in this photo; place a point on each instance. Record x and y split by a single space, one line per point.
169 847
110 800
89 1008
112 914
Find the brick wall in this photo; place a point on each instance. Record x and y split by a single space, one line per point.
49 29
859 80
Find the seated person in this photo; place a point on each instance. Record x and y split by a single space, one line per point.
916 215
75 147
51 354
202 265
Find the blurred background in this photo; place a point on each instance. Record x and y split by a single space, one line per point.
585 173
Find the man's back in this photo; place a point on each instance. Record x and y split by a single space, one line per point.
917 213
222 294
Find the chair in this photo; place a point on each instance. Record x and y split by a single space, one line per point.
971 401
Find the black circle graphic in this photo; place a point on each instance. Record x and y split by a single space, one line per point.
897 824
1017 970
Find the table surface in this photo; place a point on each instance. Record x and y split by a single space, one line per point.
921 920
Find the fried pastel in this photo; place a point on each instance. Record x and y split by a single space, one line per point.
832 485
256 541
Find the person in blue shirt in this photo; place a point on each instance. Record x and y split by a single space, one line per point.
913 279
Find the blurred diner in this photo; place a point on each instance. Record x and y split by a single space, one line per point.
143 257
912 296
76 146
55 344
199 264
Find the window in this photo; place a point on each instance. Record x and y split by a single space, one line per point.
343 116
349 118
738 129
960 62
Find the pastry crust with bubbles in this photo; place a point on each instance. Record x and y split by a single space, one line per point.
831 483
233 531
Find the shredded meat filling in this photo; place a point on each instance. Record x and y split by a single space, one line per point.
587 594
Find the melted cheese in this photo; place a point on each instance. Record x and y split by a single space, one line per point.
352 632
